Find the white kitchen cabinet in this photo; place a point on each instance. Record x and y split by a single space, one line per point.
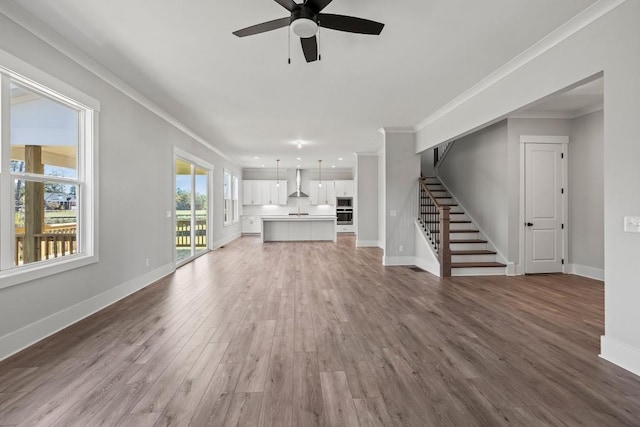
345 228
251 224
324 195
264 192
344 188
251 192
268 193
283 194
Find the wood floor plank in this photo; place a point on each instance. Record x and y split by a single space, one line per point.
213 407
256 364
244 410
277 410
307 391
372 412
321 333
339 408
158 396
183 404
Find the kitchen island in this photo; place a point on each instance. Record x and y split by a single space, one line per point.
286 228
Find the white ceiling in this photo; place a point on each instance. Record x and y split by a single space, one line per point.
572 103
240 94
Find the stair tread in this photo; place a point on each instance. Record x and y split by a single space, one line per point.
476 264
463 231
468 241
474 252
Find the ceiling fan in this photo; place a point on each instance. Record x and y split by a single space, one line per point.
305 20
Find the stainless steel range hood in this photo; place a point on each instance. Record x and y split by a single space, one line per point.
298 193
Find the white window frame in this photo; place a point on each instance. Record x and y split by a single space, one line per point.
227 204
14 69
235 195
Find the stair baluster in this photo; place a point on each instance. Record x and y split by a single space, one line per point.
435 221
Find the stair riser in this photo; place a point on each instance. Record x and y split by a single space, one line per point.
462 226
468 246
444 200
462 236
473 258
490 271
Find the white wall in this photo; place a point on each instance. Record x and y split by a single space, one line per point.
586 193
610 45
135 191
475 171
401 197
367 201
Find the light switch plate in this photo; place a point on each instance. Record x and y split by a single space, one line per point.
632 224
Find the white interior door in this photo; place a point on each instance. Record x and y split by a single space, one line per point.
544 176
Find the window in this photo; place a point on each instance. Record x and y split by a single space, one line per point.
226 191
236 204
46 180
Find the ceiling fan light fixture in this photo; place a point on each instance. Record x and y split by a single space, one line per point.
304 28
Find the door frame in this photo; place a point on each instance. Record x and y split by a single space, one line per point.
544 139
181 154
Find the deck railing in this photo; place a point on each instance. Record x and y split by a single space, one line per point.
183 233
56 241
434 218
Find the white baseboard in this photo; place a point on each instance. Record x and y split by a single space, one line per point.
511 269
398 260
220 243
621 354
585 271
24 337
367 244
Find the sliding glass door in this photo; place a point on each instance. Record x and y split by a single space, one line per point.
191 209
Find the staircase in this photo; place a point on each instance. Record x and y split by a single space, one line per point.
471 253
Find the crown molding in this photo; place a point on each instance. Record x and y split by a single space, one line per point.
39 29
566 30
566 115
588 110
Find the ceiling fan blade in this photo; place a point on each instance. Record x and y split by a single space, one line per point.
264 27
290 5
349 24
310 48
317 5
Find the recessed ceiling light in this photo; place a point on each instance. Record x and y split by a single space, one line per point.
298 166
262 165
333 166
256 158
298 158
339 158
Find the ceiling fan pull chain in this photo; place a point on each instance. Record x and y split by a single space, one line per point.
289 44
319 44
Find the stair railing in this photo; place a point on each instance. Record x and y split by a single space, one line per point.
434 217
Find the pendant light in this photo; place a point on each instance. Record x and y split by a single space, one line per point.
320 173
277 173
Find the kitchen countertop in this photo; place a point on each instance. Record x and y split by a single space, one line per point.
297 218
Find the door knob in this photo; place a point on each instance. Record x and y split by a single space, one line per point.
529 224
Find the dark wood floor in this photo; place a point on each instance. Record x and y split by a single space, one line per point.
304 334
